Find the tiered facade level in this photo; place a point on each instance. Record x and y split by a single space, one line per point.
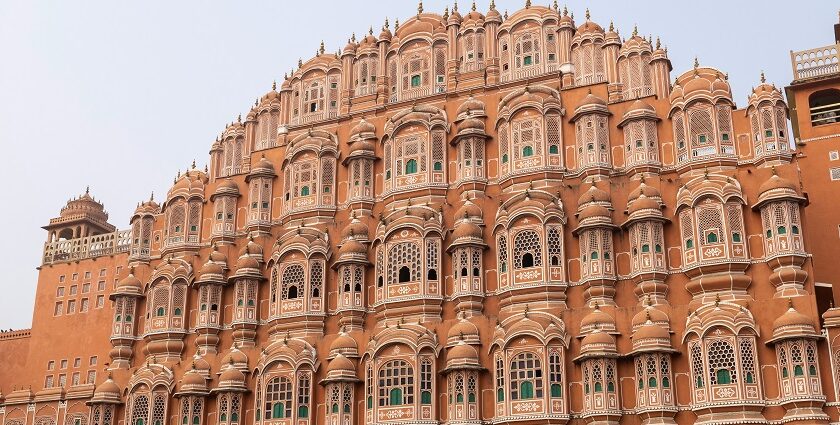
471 219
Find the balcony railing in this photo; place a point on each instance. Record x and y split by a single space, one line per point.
815 62
87 247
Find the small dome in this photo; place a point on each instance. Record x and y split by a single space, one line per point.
776 182
641 105
355 229
642 203
236 357
597 343
107 388
589 27
591 99
252 249
597 319
467 229
644 189
352 246
130 282
247 263
217 256
345 345
470 106
226 187
593 195
651 330
463 329
792 318
192 377
341 364
468 210
462 352
361 147
649 313
231 375
593 211
362 127
263 168
473 124
210 270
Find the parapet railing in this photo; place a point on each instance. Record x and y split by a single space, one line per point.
815 62
87 247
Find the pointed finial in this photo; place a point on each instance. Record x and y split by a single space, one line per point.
555 5
527 3
205 169
193 165
565 10
763 80
696 62
300 62
492 4
446 13
658 43
353 38
396 24
455 6
790 303
587 14
419 8
635 30
612 27
506 15
239 118
152 197
321 48
717 300
87 190
370 30
473 6
386 22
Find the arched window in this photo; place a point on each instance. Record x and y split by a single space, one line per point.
278 398
555 377
527 151
526 378
405 274
411 166
527 250
711 237
293 281
304 191
396 384
825 107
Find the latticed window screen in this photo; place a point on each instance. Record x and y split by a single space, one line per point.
432 255
746 346
316 278
396 384
526 244
526 377
404 254
710 225
721 359
426 379
696 359
278 398
292 281
700 127
303 394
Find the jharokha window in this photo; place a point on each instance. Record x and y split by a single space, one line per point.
415 158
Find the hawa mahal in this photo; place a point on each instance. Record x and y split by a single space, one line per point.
470 218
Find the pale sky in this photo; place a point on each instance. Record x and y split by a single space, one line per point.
121 95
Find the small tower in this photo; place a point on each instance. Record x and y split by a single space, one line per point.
82 217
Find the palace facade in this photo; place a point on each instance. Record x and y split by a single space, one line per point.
467 219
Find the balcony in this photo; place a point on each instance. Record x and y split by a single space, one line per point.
87 247
815 63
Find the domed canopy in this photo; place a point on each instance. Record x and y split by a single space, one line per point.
462 356
263 168
247 266
107 392
362 128
597 344
252 249
471 107
590 104
231 380
193 383
700 83
344 345
226 187
210 273
651 337
463 330
128 286
237 358
356 229
792 325
467 231
83 210
597 320
341 369
593 194
777 188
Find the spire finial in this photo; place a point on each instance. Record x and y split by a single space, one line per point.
152 197
587 14
239 118
763 80
527 3
193 164
492 4
565 10
473 6
321 48
87 190
396 24
446 13
386 22
696 62
370 30
555 5
612 27
635 30
419 8
300 62
658 43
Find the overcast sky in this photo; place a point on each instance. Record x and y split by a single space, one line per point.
121 95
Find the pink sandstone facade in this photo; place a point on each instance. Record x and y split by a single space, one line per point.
467 219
